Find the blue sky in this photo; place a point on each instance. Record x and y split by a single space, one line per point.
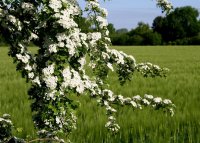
127 13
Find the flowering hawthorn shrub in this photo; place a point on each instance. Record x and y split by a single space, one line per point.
5 127
57 69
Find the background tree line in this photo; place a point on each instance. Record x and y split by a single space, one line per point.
180 27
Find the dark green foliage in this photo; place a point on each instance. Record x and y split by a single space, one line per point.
144 35
2 41
111 29
179 26
141 35
122 31
120 39
84 25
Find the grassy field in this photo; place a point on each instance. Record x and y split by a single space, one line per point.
182 86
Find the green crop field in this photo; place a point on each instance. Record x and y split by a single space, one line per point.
182 86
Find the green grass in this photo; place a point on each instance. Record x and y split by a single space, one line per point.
182 86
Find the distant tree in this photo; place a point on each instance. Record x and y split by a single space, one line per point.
122 31
141 29
158 24
144 35
136 40
111 29
182 23
120 39
152 38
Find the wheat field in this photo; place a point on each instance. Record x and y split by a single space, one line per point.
182 86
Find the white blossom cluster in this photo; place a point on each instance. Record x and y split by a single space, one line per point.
5 128
94 37
56 5
58 68
6 119
165 5
73 80
27 6
150 70
137 102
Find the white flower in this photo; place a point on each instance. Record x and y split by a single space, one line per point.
22 48
105 55
83 36
109 93
134 104
28 67
19 25
107 34
156 66
71 45
106 103
109 65
58 121
92 65
94 36
121 99
12 19
119 57
27 6
74 81
51 95
61 37
52 48
171 111
102 21
67 74
65 20
150 97
110 109
145 102
157 100
42 131
80 88
24 59
108 124
51 82
30 75
48 70
82 62
111 118
93 4
6 116
1 119
61 44
33 36
167 101
127 100
132 58
46 122
55 5
104 11
137 97
36 80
